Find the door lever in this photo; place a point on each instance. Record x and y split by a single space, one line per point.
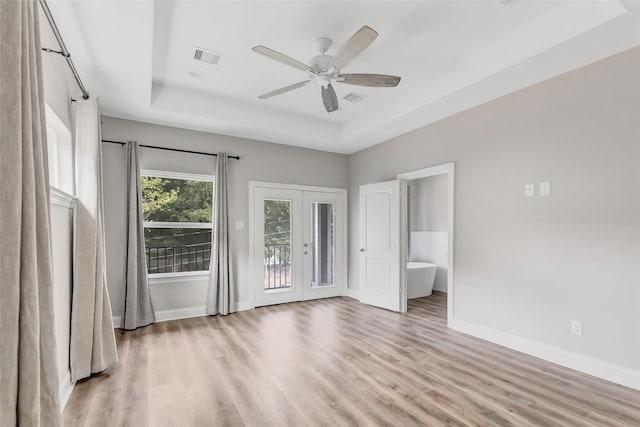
361 249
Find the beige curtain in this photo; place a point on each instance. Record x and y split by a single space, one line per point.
222 286
138 310
93 343
28 370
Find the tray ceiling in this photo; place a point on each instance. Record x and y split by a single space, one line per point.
137 57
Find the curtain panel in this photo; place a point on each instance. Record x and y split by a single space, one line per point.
138 309
93 344
28 371
222 287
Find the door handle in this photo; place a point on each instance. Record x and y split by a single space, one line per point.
361 249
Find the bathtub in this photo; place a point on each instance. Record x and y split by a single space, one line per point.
420 278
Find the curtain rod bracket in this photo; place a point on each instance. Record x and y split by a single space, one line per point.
83 97
59 52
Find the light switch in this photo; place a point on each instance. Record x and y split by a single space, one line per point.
529 190
545 188
239 225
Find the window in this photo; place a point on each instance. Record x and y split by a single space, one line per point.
177 211
60 153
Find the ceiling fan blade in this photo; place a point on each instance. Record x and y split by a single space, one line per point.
329 98
281 57
284 89
373 80
353 47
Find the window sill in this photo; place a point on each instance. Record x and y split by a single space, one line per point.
173 278
60 198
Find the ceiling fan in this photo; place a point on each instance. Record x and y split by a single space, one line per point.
325 69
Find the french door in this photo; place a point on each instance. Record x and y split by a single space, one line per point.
298 243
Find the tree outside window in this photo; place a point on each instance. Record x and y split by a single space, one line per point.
178 219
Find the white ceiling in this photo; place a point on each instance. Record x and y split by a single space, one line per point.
452 55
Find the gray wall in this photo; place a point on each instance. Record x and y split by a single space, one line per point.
62 250
428 203
260 161
528 266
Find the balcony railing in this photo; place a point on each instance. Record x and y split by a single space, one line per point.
277 265
176 259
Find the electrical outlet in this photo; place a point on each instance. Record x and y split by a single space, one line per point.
576 328
529 190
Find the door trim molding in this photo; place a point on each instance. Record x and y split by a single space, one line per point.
253 185
263 184
449 170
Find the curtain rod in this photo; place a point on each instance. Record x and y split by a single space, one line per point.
63 48
169 149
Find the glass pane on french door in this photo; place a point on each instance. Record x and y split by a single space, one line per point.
277 244
322 243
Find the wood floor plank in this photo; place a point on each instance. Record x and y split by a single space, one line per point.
203 390
290 372
336 362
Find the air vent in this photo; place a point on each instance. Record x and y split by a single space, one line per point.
353 97
207 56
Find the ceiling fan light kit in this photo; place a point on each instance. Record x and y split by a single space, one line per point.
325 69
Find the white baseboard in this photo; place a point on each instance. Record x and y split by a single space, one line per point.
183 313
243 305
180 313
353 293
166 315
598 368
66 387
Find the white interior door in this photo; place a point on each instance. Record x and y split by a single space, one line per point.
298 243
381 243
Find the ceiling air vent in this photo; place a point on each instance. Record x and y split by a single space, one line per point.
207 56
353 97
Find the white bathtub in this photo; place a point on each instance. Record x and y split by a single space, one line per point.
420 278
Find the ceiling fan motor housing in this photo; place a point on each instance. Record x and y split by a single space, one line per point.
320 63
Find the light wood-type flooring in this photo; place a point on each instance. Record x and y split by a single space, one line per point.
336 362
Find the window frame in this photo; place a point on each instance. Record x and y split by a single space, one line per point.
161 278
60 152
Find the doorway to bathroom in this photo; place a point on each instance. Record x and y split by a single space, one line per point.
428 254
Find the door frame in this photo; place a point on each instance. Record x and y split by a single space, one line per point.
449 170
263 184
